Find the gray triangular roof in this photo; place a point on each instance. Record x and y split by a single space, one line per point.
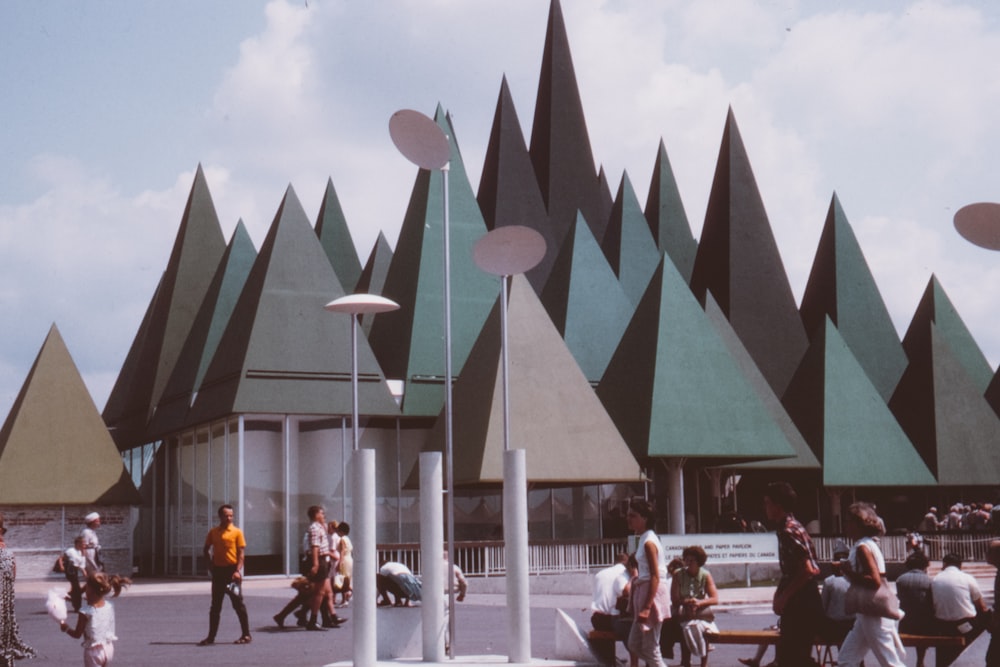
738 261
586 302
54 446
842 416
335 236
198 247
206 333
674 389
281 351
628 244
667 219
409 341
555 416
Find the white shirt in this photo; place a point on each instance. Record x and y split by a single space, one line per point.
955 594
394 569
640 557
100 628
608 585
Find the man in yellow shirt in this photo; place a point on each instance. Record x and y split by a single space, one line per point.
224 547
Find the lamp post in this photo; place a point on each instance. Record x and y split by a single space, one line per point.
424 143
504 252
363 477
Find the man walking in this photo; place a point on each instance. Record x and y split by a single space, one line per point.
797 600
224 547
92 545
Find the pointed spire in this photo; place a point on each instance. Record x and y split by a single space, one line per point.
547 392
666 217
840 413
586 302
372 280
54 446
409 341
738 262
842 287
628 245
560 145
281 351
335 236
674 390
508 189
197 250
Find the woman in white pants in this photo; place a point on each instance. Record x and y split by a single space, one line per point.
865 566
650 592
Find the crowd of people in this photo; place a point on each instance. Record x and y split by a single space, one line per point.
971 517
651 605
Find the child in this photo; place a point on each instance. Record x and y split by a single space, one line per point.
75 569
96 622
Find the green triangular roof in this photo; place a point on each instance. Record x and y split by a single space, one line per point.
555 416
206 333
54 446
935 307
628 243
738 261
847 424
842 288
674 390
372 279
409 342
804 458
946 416
586 302
335 236
198 247
281 351
667 219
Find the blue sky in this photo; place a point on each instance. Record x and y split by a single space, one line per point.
110 106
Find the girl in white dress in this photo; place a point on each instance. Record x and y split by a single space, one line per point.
96 622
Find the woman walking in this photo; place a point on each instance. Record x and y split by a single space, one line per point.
865 567
11 646
650 593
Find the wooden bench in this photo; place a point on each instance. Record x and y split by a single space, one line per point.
823 649
602 643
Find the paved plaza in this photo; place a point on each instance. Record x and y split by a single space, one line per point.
160 623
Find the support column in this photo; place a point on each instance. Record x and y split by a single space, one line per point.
365 559
432 558
515 533
675 486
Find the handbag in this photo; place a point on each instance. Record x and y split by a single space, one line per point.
879 601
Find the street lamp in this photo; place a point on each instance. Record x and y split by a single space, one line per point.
424 143
363 477
980 224
504 252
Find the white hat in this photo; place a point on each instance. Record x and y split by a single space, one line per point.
93 516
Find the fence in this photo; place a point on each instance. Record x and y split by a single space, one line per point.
486 559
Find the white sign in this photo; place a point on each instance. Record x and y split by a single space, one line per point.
746 548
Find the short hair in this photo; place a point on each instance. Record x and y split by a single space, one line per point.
313 511
952 558
782 494
343 528
621 558
643 508
697 553
227 506
867 518
917 561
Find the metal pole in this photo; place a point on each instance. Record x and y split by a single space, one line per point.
354 378
505 360
449 451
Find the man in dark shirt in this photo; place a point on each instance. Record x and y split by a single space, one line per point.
797 600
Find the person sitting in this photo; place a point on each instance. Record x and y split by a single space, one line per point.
837 621
693 592
958 603
913 588
607 587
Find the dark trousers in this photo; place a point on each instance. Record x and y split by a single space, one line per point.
800 623
945 655
75 589
221 576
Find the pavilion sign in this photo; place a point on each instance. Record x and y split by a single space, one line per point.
721 547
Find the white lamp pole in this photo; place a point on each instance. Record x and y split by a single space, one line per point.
363 477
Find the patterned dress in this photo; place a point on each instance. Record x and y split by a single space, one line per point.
11 646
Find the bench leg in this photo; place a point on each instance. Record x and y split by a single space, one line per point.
604 649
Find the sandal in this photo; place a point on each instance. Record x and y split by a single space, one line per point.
245 639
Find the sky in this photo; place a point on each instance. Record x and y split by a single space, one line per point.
109 107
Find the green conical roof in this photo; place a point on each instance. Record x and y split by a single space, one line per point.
586 302
335 236
197 250
628 243
281 351
674 390
54 446
847 424
206 332
555 416
409 342
666 216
